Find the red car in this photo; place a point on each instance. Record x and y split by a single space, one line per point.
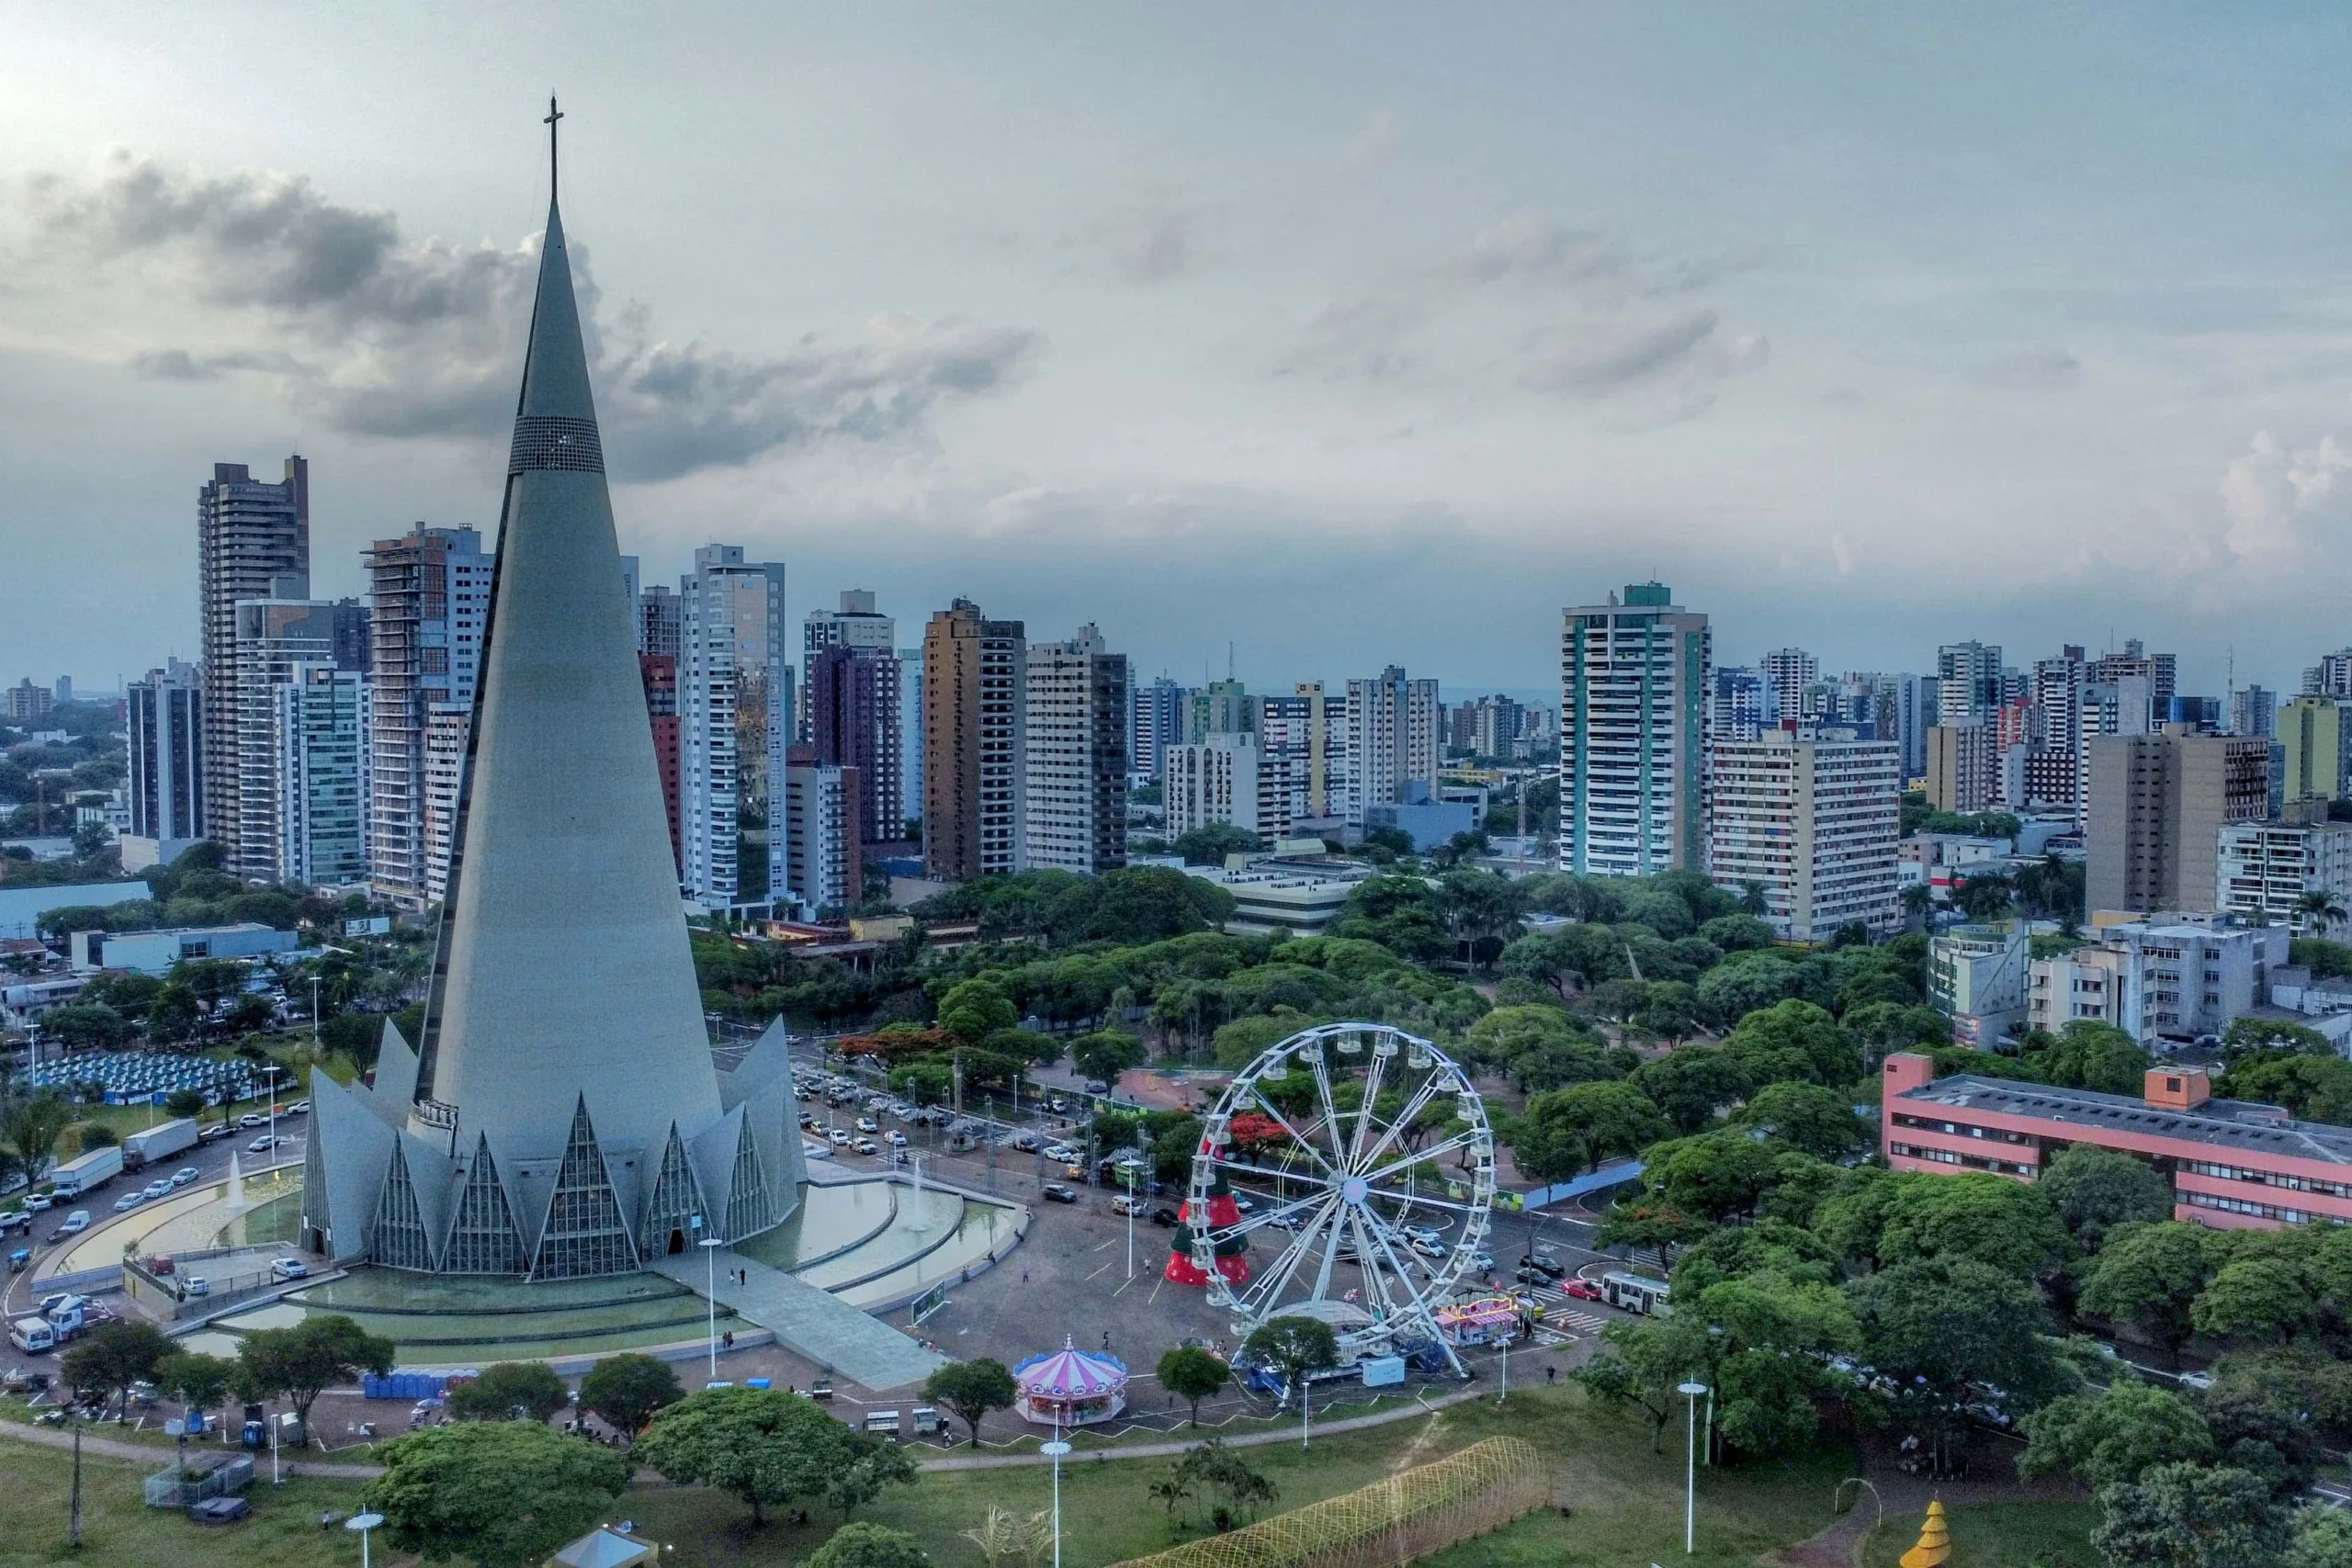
1583 1290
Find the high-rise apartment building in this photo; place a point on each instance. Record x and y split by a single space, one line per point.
661 621
2253 710
1810 815
825 871
1740 703
1303 759
320 744
857 624
2160 670
1074 795
26 701
253 541
1634 735
1964 773
1158 724
2312 735
2156 806
659 673
1220 778
2267 867
909 735
1968 682
973 677
166 746
447 730
428 595
735 713
854 715
273 639
1221 707
1392 740
2331 677
1790 672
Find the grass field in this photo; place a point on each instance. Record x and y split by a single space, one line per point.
1999 1535
1625 1503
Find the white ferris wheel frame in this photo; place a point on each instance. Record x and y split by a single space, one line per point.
1345 1160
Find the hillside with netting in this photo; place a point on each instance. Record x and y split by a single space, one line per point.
1409 1515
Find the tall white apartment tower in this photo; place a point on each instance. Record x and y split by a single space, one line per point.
1968 682
275 637
1392 738
734 721
253 540
1634 735
1074 758
428 594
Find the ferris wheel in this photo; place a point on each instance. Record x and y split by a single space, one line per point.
1364 1155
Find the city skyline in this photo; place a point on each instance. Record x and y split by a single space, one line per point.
1350 327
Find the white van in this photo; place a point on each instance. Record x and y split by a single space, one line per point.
33 1336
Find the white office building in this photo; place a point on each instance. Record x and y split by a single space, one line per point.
735 717
1811 816
2160 983
1634 735
1221 778
825 868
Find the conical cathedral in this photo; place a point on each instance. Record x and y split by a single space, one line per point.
562 1116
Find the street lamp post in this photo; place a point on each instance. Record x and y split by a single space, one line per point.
710 1291
363 1523
1690 1393
1054 1451
1129 1172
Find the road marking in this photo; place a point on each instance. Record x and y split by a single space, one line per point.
1106 1263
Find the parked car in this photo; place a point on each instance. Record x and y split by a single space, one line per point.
299 1107
2200 1381
1055 1192
159 1187
16 1220
1543 1263
288 1268
1433 1250
38 1201
1164 1216
129 1201
1058 1105
262 1144
195 1285
1484 1262
897 1139
1123 1204
216 1132
867 1124
867 1146
839 1137
252 1118
185 1175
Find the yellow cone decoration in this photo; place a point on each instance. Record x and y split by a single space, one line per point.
1935 1540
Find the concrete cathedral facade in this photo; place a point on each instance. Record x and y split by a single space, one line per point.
561 1117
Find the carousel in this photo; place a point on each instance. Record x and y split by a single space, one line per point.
1070 1387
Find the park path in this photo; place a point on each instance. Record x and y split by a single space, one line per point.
1892 1494
112 1448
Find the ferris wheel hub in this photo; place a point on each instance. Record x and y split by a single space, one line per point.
1355 1190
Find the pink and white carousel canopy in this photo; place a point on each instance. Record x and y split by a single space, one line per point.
1070 1373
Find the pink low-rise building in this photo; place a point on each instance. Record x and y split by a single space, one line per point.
2233 1164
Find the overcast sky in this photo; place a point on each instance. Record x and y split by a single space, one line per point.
1349 335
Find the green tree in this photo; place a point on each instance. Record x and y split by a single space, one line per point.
760 1444
113 1356
1934 1326
511 1391
1192 1374
1809 1117
1645 1363
972 1389
184 1102
2186 1516
2113 1435
503 1494
1211 842
868 1545
1214 1465
1571 1130
1655 1225
32 1123
1769 1363
2323 1539
317 1353
1108 1053
973 1009
2150 1276
869 1463
2250 1034
1792 1040
1975 1214
2086 1054
2098 1189
1719 1177
85 1026
627 1390
1692 1084
1295 1349
2256 1299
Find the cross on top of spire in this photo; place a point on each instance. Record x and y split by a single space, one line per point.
554 114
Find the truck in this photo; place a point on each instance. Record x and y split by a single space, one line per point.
141 1149
87 1172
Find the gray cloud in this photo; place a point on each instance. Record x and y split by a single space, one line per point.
1156 239
1526 247
408 339
1363 339
1604 356
2034 370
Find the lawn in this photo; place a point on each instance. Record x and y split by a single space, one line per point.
118 1529
1999 1535
1626 1506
